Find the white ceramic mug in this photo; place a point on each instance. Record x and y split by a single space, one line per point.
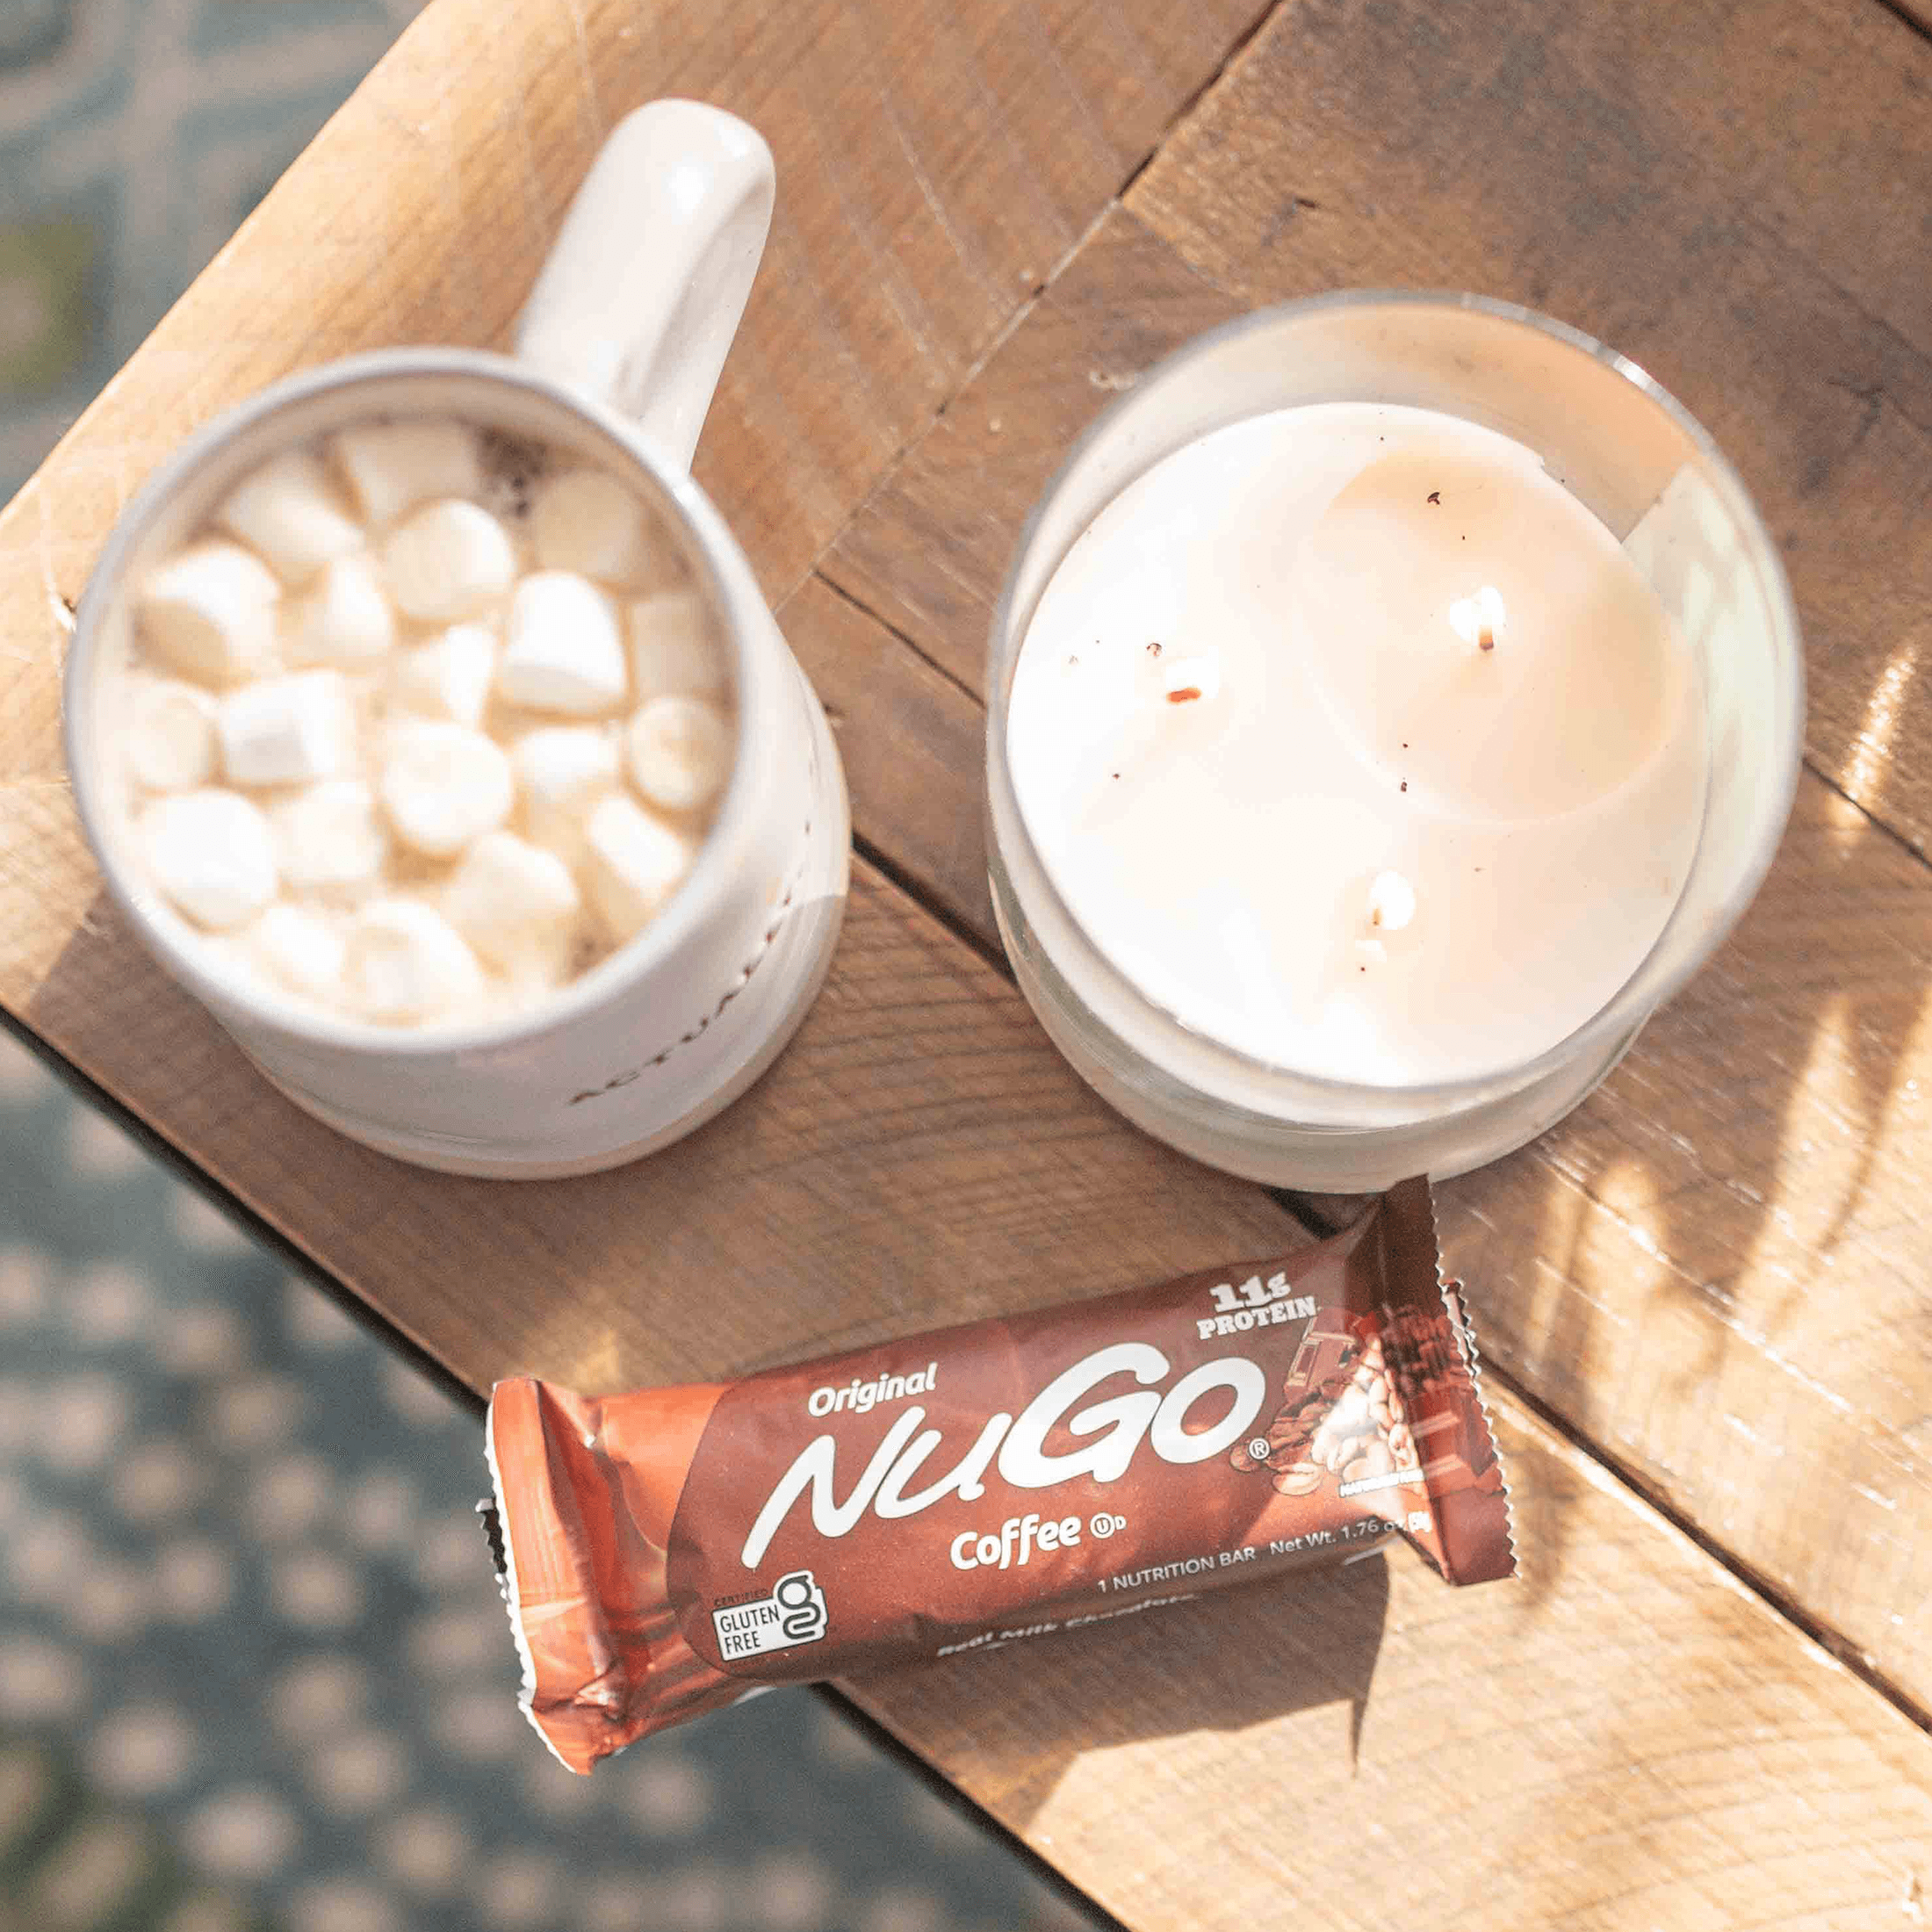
618 351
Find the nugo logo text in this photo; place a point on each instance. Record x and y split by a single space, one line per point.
1016 1446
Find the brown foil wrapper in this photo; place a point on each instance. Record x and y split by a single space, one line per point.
666 1550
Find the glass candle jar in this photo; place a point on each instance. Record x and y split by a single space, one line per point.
1635 461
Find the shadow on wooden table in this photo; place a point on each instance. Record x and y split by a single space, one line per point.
1233 1662
1694 1269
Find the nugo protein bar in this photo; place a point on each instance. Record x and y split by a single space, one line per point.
666 1550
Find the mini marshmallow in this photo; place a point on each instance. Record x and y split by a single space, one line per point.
302 950
347 619
680 751
561 771
212 853
444 785
167 734
331 839
511 899
287 510
1391 902
287 731
562 767
586 520
634 864
450 676
391 467
563 651
673 648
209 613
405 961
448 559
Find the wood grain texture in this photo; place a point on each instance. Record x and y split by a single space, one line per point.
1718 1268
1625 1743
928 550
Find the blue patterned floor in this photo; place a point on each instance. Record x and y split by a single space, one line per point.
253 1672
252 1658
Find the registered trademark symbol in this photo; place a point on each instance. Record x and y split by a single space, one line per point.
1259 1449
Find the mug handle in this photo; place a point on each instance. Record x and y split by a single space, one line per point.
640 297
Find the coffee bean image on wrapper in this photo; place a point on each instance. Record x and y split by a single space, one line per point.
668 1550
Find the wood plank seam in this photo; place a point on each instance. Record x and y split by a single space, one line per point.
1243 40
1643 1493
934 907
1912 849
866 610
1185 110
1902 11
991 347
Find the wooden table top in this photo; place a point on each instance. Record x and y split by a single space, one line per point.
1707 1297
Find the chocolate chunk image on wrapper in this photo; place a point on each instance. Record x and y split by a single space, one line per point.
665 1551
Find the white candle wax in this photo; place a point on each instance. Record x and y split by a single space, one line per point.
1356 743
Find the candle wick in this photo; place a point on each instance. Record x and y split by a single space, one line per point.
1485 639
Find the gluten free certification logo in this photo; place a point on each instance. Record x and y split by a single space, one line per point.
794 1613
